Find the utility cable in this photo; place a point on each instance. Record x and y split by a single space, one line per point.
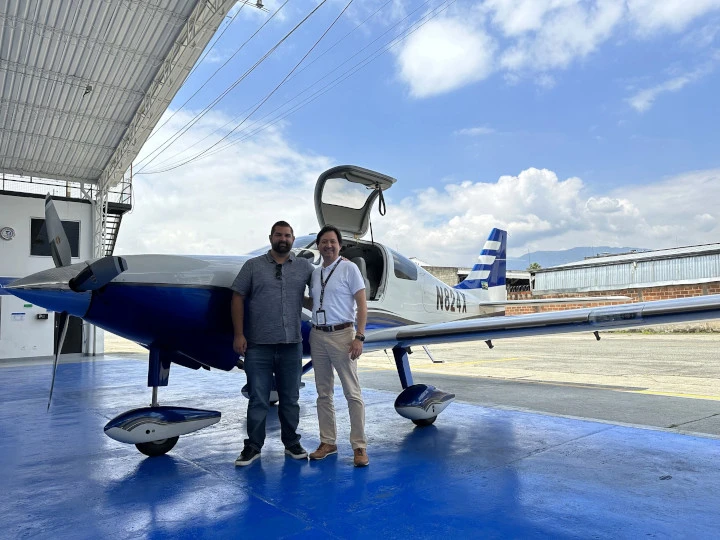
221 128
199 61
341 78
269 95
202 113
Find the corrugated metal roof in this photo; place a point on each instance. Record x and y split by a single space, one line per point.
671 253
75 77
685 265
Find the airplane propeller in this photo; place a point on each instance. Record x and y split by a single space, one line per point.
93 277
59 245
63 320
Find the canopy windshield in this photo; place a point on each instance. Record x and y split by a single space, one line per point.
344 197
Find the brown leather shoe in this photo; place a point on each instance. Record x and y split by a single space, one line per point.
323 451
361 458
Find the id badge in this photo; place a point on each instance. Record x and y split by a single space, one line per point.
320 317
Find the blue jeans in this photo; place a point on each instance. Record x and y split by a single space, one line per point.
285 361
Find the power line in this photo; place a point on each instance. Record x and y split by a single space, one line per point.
220 129
202 113
269 95
255 128
200 60
338 80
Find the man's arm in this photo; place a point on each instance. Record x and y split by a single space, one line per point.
237 310
357 345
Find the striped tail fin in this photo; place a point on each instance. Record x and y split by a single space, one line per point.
489 271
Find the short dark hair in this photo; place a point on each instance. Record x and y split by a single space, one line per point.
327 229
281 224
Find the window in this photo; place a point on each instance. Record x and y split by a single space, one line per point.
38 237
404 268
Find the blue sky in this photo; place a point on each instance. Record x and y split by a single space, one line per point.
566 122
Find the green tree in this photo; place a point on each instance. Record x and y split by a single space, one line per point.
534 266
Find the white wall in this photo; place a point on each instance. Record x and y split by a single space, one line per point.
24 335
16 212
30 336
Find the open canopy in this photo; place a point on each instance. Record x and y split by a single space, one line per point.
344 197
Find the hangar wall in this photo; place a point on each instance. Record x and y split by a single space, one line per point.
638 294
22 334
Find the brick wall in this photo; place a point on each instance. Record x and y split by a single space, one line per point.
636 295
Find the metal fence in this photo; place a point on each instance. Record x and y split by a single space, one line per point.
121 193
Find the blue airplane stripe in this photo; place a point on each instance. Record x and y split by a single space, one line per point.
477 283
5 281
496 235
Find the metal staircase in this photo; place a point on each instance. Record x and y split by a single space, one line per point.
119 202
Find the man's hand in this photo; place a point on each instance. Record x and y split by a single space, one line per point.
356 348
240 345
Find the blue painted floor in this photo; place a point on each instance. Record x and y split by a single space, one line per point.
478 472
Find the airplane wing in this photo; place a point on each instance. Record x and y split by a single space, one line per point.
555 322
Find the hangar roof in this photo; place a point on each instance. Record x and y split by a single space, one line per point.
83 83
671 253
684 265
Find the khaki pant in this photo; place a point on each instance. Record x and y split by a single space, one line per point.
332 350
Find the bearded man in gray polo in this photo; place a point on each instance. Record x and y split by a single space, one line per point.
271 289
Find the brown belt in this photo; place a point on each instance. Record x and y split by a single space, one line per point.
332 328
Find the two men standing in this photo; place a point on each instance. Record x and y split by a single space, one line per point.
274 284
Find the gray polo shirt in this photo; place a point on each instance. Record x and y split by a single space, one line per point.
273 300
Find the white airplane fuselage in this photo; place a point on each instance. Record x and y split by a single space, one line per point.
182 303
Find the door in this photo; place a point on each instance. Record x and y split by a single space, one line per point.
344 197
73 337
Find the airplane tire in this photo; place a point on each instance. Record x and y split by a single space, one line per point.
157 448
422 422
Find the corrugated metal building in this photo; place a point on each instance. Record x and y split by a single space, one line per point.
650 275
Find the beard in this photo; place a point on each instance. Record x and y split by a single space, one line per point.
281 247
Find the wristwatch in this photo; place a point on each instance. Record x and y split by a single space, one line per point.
360 337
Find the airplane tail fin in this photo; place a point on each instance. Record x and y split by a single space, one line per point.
487 277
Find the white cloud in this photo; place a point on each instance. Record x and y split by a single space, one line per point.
603 205
644 99
226 205
475 131
541 211
443 55
524 38
674 15
517 17
568 33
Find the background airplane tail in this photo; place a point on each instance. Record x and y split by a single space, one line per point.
487 277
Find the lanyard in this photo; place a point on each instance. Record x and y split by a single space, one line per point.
323 283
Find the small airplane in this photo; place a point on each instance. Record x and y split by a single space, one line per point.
178 307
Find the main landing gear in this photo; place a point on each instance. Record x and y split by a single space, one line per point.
420 403
156 429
